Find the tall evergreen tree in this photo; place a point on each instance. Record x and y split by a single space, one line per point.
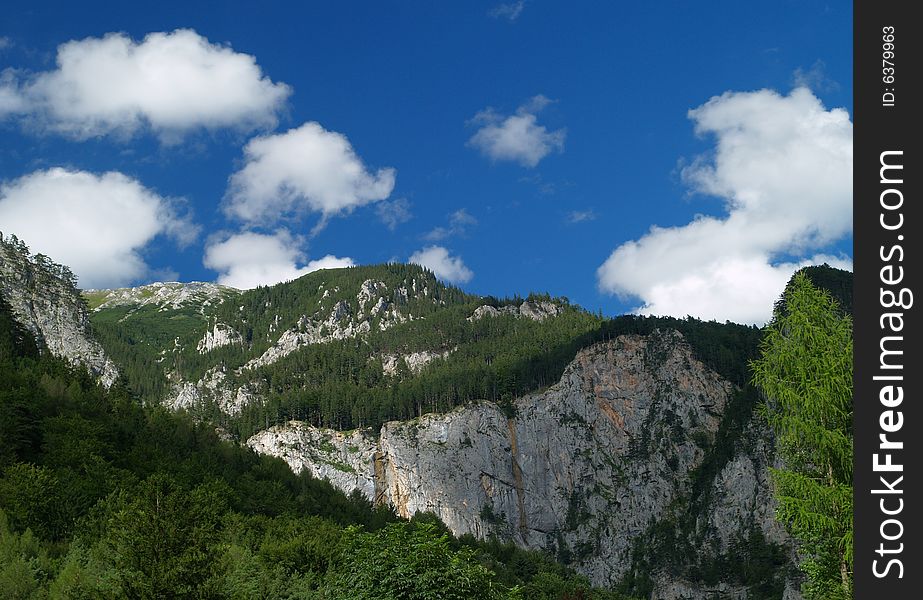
806 373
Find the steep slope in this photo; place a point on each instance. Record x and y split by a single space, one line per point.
86 471
586 469
149 326
623 447
280 352
45 300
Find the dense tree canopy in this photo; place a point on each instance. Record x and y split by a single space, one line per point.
805 370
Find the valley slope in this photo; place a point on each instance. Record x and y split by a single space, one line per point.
628 449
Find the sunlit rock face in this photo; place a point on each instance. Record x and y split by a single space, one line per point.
582 469
50 307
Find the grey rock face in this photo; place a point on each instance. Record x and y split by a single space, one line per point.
212 387
51 308
218 336
537 311
415 361
347 460
585 466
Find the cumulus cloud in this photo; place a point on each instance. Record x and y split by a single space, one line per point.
248 259
509 11
438 260
459 222
308 169
171 82
518 137
98 225
783 165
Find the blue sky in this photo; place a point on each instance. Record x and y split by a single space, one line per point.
510 146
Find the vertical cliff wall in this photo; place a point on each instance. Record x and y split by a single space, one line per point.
594 469
45 301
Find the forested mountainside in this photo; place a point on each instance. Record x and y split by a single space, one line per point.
103 496
340 348
626 449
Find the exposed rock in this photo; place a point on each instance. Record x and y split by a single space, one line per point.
370 290
307 331
586 466
220 335
225 435
46 302
679 589
415 361
213 387
537 311
168 295
339 324
324 453
490 311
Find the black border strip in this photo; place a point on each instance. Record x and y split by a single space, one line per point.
887 261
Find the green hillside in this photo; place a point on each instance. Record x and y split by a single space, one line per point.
103 498
342 382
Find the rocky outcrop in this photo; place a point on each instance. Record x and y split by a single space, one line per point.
582 469
214 388
341 322
537 311
219 335
415 361
337 326
324 453
45 300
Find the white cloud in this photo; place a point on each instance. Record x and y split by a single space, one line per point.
510 11
11 100
815 78
98 225
737 289
517 137
580 216
783 165
394 212
171 82
459 221
329 261
308 169
246 260
438 260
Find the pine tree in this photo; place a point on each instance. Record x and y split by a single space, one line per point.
806 373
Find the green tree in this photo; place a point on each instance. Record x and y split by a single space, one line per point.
405 561
165 540
805 371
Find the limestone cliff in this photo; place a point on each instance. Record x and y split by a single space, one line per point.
46 302
584 469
